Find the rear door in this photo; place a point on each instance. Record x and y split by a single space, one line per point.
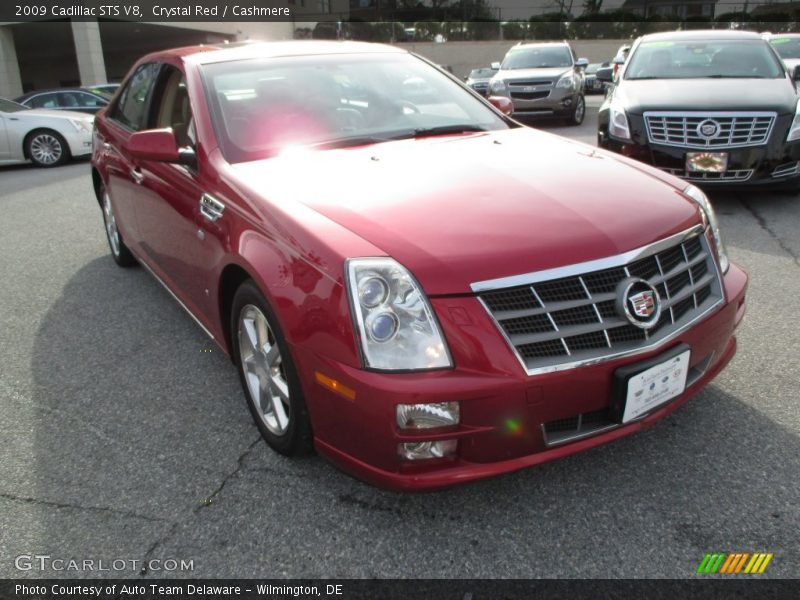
130 113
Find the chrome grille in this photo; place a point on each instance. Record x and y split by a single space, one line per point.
730 175
734 130
566 317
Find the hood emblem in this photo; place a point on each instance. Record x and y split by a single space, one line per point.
638 301
708 129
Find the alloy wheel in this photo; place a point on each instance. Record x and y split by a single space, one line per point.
264 371
46 149
111 224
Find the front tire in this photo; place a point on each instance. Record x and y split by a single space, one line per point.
579 113
266 370
46 148
119 251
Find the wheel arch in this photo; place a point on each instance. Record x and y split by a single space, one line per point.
97 184
232 276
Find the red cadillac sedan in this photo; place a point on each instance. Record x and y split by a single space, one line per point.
407 280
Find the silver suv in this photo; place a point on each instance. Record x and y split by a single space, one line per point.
542 80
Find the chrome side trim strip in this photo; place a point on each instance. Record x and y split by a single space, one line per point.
171 293
584 267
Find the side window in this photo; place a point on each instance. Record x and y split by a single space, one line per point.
89 100
131 107
44 101
171 101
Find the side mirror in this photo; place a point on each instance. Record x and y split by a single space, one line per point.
495 66
605 74
582 63
501 103
618 60
154 144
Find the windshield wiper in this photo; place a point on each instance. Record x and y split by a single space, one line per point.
441 130
346 142
721 76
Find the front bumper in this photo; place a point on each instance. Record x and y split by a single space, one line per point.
560 102
503 411
80 143
773 165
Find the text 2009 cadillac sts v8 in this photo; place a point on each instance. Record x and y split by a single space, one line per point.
406 279
717 108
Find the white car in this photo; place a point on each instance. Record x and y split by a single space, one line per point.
45 137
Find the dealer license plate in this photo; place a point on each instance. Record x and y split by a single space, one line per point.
655 386
706 162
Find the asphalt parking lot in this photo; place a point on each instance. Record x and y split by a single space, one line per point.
125 435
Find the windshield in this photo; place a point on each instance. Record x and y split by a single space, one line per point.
9 107
787 47
697 59
482 73
263 106
537 57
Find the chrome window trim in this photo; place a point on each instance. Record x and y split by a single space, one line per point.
709 115
598 265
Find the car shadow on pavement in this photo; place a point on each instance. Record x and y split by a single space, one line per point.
140 446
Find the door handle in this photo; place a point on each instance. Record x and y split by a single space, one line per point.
211 208
137 175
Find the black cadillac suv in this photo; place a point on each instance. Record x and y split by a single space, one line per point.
717 108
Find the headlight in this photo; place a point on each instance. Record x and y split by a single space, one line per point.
618 122
567 81
497 85
395 323
711 217
82 125
794 130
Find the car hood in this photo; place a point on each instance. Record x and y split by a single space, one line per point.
791 63
59 114
516 74
707 94
461 209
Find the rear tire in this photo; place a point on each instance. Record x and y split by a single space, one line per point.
267 373
579 113
119 251
46 148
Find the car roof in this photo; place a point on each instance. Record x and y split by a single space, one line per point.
534 44
214 53
26 95
702 34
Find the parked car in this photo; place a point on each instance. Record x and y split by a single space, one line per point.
787 45
542 80
714 107
478 79
72 99
620 57
591 83
46 138
108 89
522 297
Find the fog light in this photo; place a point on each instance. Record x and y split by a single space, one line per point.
425 416
566 102
425 450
